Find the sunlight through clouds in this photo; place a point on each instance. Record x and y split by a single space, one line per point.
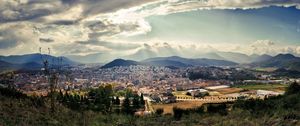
107 26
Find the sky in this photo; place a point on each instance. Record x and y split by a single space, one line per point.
138 28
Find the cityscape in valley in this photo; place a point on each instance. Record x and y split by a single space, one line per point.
156 77
149 62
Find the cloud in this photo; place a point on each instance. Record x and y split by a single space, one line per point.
111 45
91 26
262 43
7 43
130 22
298 50
20 10
46 40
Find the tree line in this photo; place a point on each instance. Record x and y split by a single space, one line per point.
102 99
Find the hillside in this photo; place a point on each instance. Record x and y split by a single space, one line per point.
287 61
120 62
235 57
6 66
19 109
260 58
37 58
31 62
191 62
173 61
166 63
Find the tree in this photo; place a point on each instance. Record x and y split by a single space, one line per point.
294 88
159 111
136 102
217 108
60 96
126 108
102 98
117 101
188 93
177 113
142 100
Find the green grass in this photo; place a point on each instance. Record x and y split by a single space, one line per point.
272 87
268 69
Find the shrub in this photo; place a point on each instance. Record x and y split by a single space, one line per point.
159 111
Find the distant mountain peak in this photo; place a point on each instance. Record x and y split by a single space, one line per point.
183 62
285 56
261 58
31 61
120 62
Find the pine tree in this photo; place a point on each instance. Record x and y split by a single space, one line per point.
136 102
117 101
142 100
294 88
60 96
126 108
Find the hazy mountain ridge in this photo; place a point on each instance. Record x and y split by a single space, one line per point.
35 57
174 61
286 61
194 62
144 54
236 57
34 61
166 63
31 61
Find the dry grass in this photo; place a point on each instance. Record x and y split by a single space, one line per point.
168 108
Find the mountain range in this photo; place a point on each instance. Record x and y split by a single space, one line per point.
31 61
173 61
236 57
141 55
286 61
280 61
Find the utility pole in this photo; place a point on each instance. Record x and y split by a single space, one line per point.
52 78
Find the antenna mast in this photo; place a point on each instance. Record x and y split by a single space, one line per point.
52 78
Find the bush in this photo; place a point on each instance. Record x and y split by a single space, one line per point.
178 112
294 88
217 108
159 111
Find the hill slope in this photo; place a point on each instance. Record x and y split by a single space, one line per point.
190 62
30 62
37 58
120 62
287 61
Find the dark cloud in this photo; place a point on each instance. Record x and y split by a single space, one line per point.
95 35
56 19
8 43
9 38
64 22
11 11
46 40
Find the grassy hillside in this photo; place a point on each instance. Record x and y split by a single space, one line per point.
19 109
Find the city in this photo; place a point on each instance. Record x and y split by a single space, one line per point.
149 62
